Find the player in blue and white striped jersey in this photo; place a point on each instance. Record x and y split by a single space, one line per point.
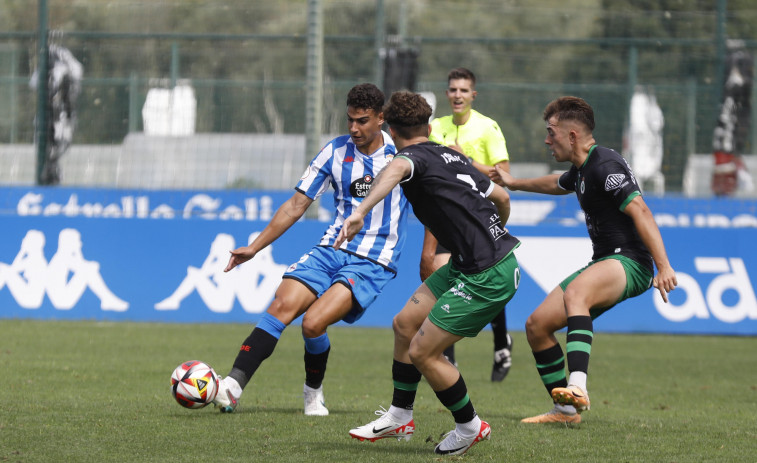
340 164
327 285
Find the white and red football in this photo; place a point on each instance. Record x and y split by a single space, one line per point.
194 384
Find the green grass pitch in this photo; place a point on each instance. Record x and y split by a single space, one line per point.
99 392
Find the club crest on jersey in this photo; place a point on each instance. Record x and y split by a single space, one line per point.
360 187
614 181
308 171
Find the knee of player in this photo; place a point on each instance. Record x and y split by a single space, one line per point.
417 355
312 328
534 327
403 327
283 310
538 327
575 300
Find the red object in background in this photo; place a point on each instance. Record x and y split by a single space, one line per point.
725 173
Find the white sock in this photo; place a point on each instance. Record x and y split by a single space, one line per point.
400 414
565 409
233 386
578 378
310 389
471 428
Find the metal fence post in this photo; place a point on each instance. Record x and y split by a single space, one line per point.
379 39
691 116
133 102
314 97
42 92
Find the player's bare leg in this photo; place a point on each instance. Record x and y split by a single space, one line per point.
331 307
397 422
426 351
541 325
292 299
600 285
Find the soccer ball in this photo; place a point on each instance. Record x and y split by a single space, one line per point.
194 384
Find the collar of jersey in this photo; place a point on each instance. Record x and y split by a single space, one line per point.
591 150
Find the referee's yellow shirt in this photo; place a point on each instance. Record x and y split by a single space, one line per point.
480 137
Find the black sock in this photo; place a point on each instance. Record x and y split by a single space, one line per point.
457 401
258 346
315 368
499 329
578 346
550 363
406 379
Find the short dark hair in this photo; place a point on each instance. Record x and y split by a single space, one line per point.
408 114
366 96
570 108
462 73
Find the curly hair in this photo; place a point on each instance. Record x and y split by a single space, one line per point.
570 108
366 96
407 113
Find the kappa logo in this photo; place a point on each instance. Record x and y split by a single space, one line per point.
252 284
64 279
613 181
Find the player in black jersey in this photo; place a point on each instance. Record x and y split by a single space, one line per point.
467 213
626 244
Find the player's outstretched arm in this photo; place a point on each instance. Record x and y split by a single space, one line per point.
385 181
546 184
494 176
501 199
665 281
285 216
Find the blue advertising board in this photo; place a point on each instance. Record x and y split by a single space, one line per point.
159 256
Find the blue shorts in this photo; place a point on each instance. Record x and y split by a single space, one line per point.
323 266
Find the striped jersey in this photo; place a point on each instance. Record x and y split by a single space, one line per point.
351 173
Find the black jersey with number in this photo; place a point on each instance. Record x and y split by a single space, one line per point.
448 196
604 185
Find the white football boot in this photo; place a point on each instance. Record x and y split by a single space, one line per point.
314 403
385 426
225 400
456 444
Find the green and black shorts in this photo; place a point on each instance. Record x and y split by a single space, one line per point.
638 280
467 303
